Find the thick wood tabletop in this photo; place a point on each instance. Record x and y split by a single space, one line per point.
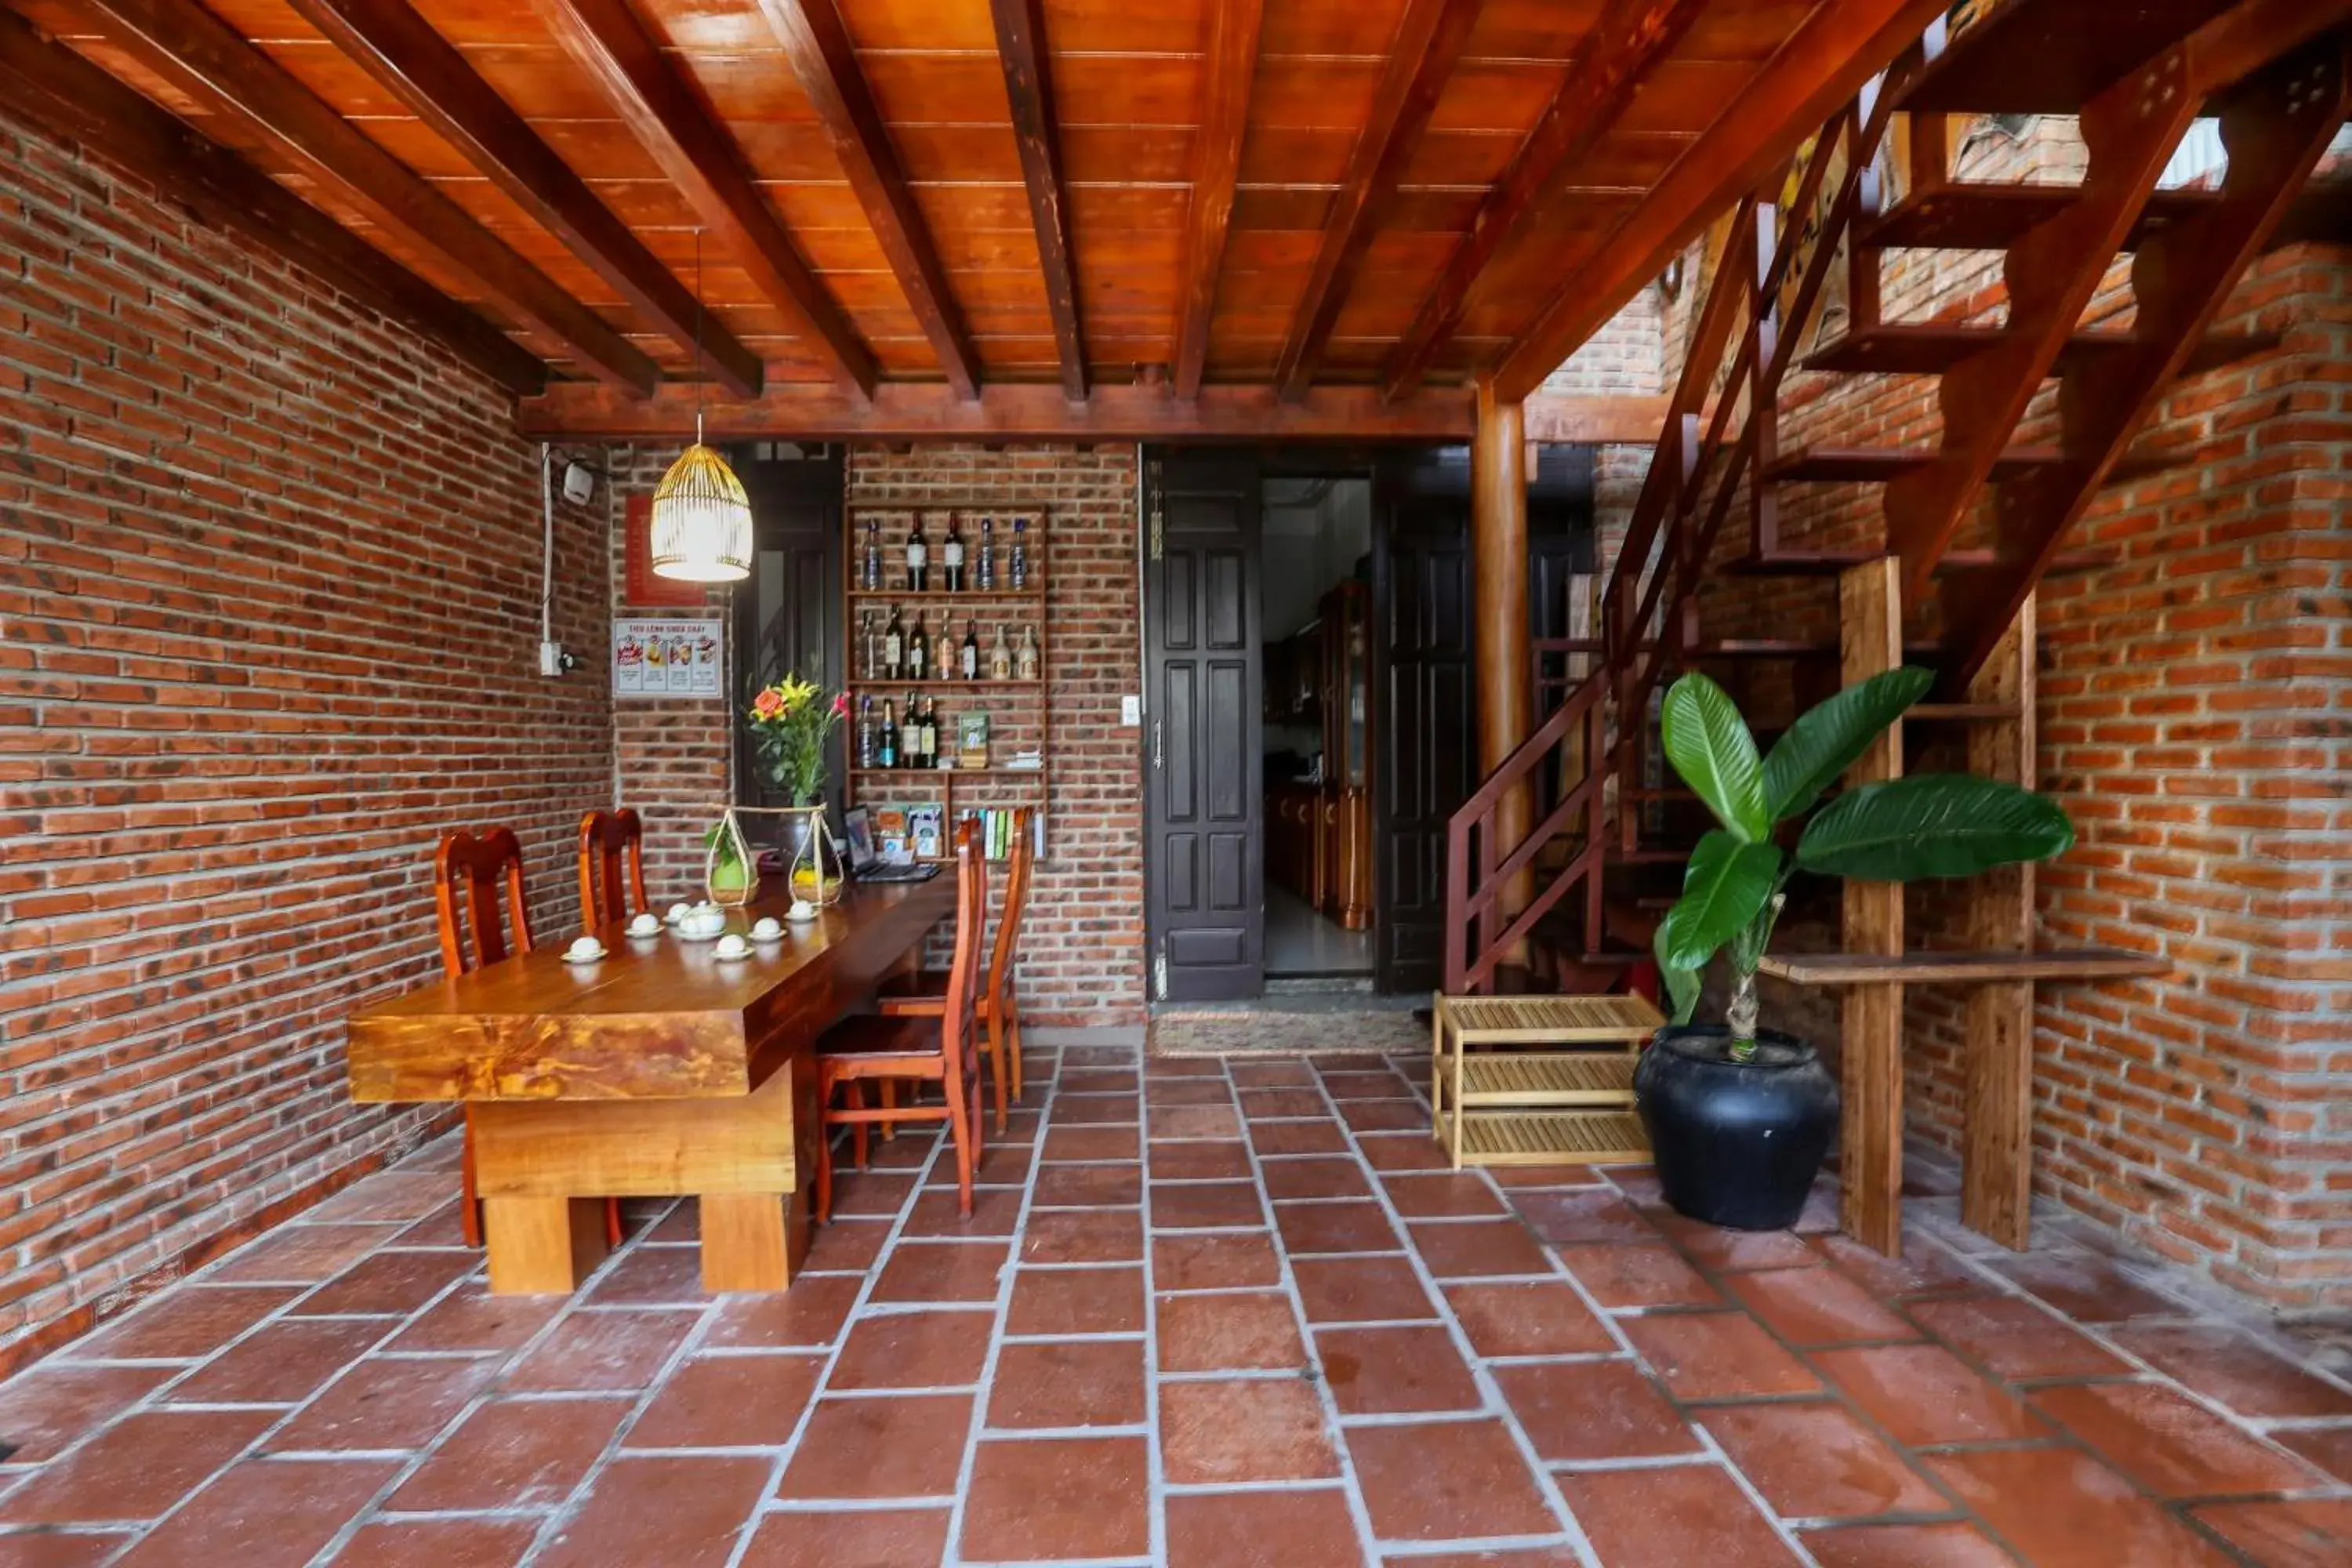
656 1018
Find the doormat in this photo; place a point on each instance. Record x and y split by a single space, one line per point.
1226 1033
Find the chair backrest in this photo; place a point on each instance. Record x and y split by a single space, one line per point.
1017 899
489 865
957 1035
607 838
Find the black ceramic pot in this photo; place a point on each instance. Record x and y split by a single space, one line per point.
1737 1144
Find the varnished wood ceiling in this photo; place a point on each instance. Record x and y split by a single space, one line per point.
987 193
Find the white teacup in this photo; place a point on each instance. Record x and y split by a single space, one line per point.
802 909
646 925
701 925
584 950
731 945
767 929
676 914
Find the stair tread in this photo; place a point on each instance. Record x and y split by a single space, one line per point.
1867 465
1928 967
2039 57
1545 1020
1548 1137
1809 561
1930 348
1976 214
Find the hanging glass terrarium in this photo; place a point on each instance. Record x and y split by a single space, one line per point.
818 875
730 871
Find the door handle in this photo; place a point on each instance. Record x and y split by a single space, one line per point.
1159 746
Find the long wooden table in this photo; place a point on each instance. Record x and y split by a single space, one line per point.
659 1070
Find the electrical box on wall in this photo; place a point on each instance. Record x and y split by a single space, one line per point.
553 660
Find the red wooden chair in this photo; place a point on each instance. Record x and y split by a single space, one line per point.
927 996
939 1046
608 839
488 867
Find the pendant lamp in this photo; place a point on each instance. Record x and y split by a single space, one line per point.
701 518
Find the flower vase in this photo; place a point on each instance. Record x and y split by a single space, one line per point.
730 873
818 876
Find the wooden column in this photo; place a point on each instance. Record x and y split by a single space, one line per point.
1498 544
1996 1170
1870 620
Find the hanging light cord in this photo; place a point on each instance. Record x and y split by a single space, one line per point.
698 372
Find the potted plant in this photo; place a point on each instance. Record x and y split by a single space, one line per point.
1739 1118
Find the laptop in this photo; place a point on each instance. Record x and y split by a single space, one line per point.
865 862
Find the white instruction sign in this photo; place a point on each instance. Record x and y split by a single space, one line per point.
667 658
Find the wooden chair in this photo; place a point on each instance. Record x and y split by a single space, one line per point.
606 839
996 1008
938 1047
488 867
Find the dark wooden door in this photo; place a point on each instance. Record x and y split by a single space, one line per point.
1204 792
788 613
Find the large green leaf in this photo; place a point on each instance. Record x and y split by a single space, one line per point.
1682 983
1831 735
1726 885
1709 745
1932 824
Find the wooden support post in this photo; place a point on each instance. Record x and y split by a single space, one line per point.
1498 540
1870 615
1997 1169
542 1246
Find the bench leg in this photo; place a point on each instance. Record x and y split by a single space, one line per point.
749 1239
542 1246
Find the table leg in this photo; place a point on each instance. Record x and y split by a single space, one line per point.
753 1241
1870 1164
542 1246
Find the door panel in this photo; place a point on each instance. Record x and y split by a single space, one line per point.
788 612
1205 844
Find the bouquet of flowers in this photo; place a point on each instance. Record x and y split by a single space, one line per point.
790 722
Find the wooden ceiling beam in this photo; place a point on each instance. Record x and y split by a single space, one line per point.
73 99
669 118
1824 63
817 42
1628 40
187 46
1029 87
399 48
1421 58
1228 76
910 411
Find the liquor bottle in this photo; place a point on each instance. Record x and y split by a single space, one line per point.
870 647
872 580
911 736
918 557
866 733
944 647
987 584
894 647
1024 662
970 649
951 557
999 658
919 651
885 744
931 735
1020 572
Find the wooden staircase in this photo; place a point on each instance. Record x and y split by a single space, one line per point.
1572 906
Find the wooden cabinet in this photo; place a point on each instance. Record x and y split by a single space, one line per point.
1318 836
1294 839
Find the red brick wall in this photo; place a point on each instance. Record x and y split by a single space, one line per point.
268 624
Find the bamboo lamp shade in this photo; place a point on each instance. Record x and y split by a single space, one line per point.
701 521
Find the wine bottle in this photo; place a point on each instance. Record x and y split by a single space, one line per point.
885 744
931 735
999 658
919 651
866 733
911 736
918 557
987 584
872 580
894 647
1020 572
970 649
1024 663
951 557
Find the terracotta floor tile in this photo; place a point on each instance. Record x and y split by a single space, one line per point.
994 1212
1324 1137
1926 1268
1923 1395
1581 1214
1228 1333
1812 1306
678 1512
2329 1448
1682 1516
2063 1509
1255 1430
513 1453
1270 1075
807 1316
393 1283
1064 1142
387 1195
300 1254
1005 1161
1083 1236
1279 1104
1263 1529
1447 1481
1087 1186
1442 1196
264 1514
474 1320
652 1276
1095 1110
1586 1410
1204 1205
1191 1121
384 1403
1736 1251
1395 1371
2171 1444
1647 1274
137 1469
2233 1369
52 1404
1227 1161
1526 1557
1717 1355
746 1400
1068 1383
1907 1546
1380 1289
1818 1461
1058 1499
2311 1533
1215 1262
1477 1248
862 1538
847 1246
1380 1085
942 1271
880 1446
49 1550
871 1194
1099 1080
1545 1176
440 1543
1315 1176
1533 1317
191 1320
2085 1286
443 1227
1107 1301
1385 1115
943 1349
600 1351
2015 1338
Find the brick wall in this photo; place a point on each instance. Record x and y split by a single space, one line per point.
269 621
